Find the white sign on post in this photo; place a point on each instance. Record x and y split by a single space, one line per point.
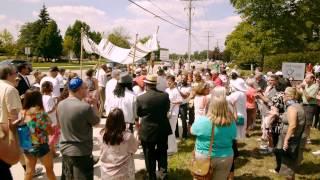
27 50
164 55
294 71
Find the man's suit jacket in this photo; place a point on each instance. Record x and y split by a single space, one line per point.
153 107
22 85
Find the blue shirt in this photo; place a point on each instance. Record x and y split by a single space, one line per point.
223 136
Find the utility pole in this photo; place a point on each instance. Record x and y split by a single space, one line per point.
189 30
189 35
208 36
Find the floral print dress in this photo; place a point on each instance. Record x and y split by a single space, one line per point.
39 123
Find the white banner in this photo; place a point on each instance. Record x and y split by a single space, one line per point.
294 71
117 54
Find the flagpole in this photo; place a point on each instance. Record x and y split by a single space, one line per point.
81 52
134 53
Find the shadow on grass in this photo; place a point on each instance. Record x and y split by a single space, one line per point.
256 133
186 146
251 177
241 144
315 141
253 154
240 162
308 168
174 174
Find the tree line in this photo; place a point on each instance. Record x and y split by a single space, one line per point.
44 38
271 30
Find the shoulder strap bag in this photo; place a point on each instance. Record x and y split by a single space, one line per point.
201 169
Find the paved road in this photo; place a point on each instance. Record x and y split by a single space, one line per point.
18 173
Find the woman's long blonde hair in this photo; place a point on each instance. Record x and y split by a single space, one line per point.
219 112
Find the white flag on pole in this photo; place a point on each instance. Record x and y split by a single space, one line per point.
89 45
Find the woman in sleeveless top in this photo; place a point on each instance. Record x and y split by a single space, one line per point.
92 84
293 122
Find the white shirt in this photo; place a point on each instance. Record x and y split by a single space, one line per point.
111 85
137 90
316 68
49 104
162 83
240 99
60 80
185 90
174 97
101 76
55 84
126 103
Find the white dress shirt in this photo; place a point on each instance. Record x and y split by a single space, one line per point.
101 76
175 98
127 104
111 85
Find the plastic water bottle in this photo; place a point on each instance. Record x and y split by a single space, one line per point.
24 137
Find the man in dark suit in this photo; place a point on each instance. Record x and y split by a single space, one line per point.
153 107
24 83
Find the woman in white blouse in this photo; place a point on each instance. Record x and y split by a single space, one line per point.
175 101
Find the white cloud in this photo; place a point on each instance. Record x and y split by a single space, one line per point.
141 22
67 15
11 24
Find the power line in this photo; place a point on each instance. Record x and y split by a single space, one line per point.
165 12
157 16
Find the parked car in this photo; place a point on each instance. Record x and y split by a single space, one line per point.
16 63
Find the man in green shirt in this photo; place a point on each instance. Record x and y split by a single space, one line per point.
309 90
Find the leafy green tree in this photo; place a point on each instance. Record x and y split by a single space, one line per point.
119 37
30 34
74 32
274 27
28 37
7 44
68 45
144 39
50 41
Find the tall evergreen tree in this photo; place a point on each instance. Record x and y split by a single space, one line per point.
50 41
44 17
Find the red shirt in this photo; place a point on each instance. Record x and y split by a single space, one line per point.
217 81
251 98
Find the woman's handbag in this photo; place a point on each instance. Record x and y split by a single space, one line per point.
201 169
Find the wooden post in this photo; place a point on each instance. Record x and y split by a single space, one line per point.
134 53
81 52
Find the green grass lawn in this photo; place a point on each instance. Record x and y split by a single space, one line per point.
251 164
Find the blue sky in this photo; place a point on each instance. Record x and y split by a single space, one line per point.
217 16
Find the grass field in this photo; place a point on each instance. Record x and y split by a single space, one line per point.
251 164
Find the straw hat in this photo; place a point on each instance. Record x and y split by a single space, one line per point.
151 79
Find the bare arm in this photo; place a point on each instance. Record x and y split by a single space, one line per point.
292 120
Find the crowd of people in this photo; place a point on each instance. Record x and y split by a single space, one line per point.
142 109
